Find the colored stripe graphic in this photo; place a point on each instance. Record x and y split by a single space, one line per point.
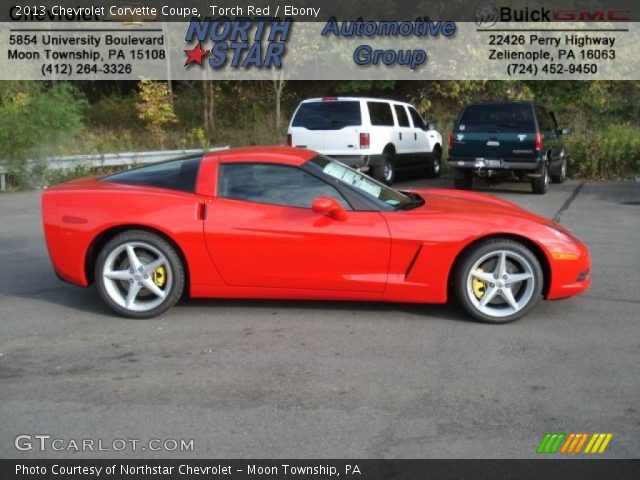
551 442
598 443
573 442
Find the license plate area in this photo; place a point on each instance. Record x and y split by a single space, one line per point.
489 163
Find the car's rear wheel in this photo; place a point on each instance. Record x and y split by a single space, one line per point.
464 183
139 274
434 164
540 185
386 171
498 281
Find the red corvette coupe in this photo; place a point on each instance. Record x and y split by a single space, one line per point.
278 222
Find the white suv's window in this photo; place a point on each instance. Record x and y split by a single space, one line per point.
417 119
328 115
401 113
380 114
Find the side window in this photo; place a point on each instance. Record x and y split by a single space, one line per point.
380 114
417 119
273 184
401 113
174 174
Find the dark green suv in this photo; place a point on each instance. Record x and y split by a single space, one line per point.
521 139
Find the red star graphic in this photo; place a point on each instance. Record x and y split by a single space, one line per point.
195 55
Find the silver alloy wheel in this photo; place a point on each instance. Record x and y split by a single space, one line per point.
563 169
436 166
129 276
388 170
509 283
546 177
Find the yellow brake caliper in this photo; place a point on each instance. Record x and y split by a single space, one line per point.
479 287
160 276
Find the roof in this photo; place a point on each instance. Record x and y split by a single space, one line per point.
346 99
278 154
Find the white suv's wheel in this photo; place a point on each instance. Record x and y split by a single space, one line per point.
139 274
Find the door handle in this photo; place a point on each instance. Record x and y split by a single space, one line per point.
415 136
400 135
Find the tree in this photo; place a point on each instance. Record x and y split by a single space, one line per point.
36 118
155 107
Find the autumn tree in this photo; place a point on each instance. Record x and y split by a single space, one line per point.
155 108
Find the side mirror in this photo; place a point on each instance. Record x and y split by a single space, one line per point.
431 126
330 207
564 131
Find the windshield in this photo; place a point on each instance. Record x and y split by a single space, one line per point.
365 185
497 118
328 115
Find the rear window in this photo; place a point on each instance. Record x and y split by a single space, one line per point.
327 115
174 174
380 114
497 118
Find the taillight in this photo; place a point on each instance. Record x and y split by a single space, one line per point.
451 140
289 139
364 140
538 141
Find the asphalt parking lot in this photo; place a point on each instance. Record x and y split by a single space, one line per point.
260 379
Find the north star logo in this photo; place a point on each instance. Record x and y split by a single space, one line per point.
243 42
196 55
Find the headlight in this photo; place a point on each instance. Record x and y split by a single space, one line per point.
562 233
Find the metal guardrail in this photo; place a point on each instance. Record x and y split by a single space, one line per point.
113 159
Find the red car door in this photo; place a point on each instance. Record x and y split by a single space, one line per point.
258 244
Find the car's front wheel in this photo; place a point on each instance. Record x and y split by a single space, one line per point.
139 274
498 281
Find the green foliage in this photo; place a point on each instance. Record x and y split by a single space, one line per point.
196 138
364 86
613 152
34 120
40 119
113 111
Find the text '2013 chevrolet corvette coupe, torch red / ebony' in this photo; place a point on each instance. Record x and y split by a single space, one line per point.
286 223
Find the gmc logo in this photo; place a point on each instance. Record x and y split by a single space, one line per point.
616 15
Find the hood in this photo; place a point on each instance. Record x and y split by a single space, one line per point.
459 201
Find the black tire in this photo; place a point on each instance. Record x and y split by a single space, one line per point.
385 172
464 183
540 185
174 273
562 174
461 277
434 164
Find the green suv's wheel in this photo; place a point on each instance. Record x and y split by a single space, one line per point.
498 281
540 184
139 274
562 174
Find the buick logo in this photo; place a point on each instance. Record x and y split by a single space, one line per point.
486 15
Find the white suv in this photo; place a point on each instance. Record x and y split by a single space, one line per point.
373 135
